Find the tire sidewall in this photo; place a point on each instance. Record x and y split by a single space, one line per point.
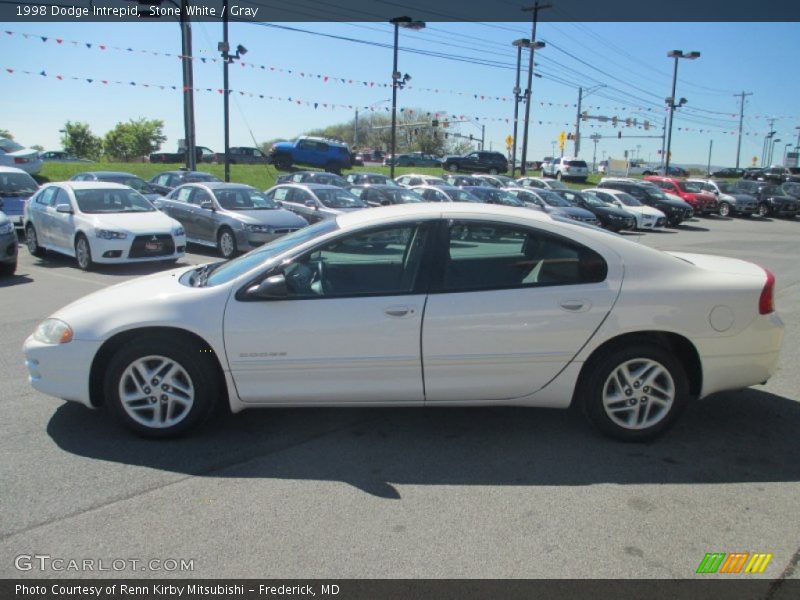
88 265
591 391
37 249
198 366
222 232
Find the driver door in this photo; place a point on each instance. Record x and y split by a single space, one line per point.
346 332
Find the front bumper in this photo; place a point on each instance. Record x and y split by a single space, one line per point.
61 370
247 240
8 247
122 251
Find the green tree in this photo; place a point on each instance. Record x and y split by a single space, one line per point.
38 147
5 133
78 139
134 139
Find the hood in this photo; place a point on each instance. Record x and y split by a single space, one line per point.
738 198
574 211
144 222
274 217
674 201
613 211
283 145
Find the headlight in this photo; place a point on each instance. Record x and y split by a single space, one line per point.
6 228
258 228
53 331
107 234
178 232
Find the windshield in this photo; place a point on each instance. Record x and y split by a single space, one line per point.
577 163
100 201
462 196
339 199
225 272
244 199
198 177
791 188
403 196
17 184
692 187
627 199
134 182
7 145
747 186
328 180
380 180
553 199
593 200
435 181
726 187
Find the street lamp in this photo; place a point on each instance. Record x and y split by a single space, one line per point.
785 150
399 81
533 46
676 54
519 44
765 149
772 150
227 58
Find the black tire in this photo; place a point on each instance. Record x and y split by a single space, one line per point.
493 171
598 378
334 168
226 250
452 167
558 175
762 210
83 253
196 363
32 241
674 222
8 269
282 163
724 209
543 174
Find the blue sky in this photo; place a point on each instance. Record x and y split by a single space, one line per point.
628 58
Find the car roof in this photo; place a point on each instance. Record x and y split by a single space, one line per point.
184 172
12 170
92 185
379 186
369 173
108 174
310 186
218 185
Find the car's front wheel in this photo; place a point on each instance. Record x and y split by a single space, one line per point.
32 241
226 243
161 386
8 269
452 167
83 253
724 209
634 393
763 210
493 171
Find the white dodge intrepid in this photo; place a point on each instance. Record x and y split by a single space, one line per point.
528 311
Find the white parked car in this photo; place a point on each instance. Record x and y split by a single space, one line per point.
415 179
14 155
99 222
647 217
534 312
541 183
566 168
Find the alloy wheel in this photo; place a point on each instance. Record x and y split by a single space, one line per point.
638 394
156 392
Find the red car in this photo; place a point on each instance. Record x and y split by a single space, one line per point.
701 201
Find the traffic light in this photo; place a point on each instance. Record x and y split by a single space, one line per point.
584 116
619 135
647 125
435 123
614 121
627 122
570 136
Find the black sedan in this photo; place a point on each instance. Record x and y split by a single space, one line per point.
385 195
465 180
772 199
172 179
611 218
728 173
492 195
361 178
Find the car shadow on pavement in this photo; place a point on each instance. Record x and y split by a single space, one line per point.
16 279
684 227
61 261
733 437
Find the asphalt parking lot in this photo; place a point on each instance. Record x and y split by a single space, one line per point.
489 493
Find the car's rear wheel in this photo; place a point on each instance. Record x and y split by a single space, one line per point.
452 167
161 386
762 210
83 253
283 163
558 175
226 243
634 393
32 241
334 168
724 209
493 171
8 269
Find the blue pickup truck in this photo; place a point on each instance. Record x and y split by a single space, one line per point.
306 151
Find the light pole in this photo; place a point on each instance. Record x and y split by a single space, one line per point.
520 44
785 150
227 59
772 150
765 148
399 81
581 95
596 137
676 54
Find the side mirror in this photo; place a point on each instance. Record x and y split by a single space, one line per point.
207 204
279 203
311 204
64 208
272 288
618 203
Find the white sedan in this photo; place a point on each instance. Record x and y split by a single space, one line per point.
14 155
99 222
537 312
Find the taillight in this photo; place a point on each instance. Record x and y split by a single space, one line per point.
766 303
20 161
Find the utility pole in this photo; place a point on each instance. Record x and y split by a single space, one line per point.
577 140
355 132
188 87
483 137
767 138
520 44
741 119
528 91
710 146
663 141
595 138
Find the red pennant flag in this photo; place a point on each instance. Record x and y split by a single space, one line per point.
59 77
102 47
10 70
58 41
105 81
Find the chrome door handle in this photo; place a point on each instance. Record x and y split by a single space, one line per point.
399 311
575 305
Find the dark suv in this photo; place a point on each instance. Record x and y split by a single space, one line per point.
676 210
322 153
772 199
489 162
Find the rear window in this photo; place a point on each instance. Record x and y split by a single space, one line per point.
577 163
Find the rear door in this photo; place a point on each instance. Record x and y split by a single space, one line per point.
41 217
509 309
